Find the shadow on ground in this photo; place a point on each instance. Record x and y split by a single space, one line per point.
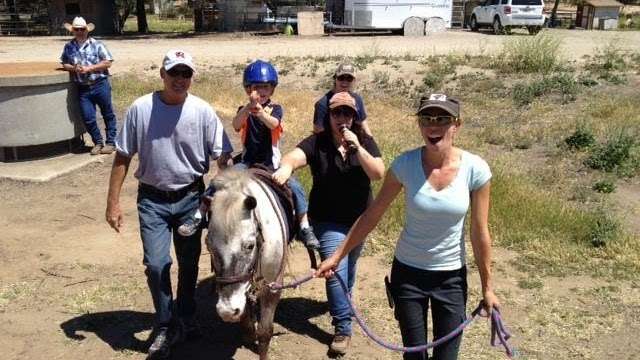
119 328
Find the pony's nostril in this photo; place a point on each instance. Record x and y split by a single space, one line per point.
236 312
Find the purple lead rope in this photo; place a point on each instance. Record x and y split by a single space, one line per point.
498 329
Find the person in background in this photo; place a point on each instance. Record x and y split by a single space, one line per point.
88 61
344 79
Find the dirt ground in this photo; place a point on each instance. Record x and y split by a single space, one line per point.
137 53
71 288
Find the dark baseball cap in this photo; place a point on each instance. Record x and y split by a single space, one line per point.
345 69
440 101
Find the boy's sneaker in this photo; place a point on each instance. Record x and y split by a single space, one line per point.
340 344
161 346
308 238
190 226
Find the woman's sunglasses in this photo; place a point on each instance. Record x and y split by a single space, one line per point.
343 111
441 120
184 73
348 78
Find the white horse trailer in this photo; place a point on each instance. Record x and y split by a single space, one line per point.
412 16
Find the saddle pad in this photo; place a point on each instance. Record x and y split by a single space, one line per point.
283 196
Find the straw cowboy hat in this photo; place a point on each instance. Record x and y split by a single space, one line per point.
79 23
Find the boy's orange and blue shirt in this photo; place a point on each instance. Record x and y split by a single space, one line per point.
261 144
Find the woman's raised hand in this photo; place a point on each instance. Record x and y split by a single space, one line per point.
282 174
350 138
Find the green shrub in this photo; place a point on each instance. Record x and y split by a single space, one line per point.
587 81
619 154
538 54
603 230
580 139
562 83
439 69
604 187
608 64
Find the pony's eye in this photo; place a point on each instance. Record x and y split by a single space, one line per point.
248 247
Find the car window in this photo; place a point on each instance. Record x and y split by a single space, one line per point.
493 2
505 2
526 2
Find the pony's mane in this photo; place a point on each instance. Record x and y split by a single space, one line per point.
231 179
228 202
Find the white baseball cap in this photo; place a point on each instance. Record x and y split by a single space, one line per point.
177 57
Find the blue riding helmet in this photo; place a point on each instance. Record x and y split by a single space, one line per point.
260 72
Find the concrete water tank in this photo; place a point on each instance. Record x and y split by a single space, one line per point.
39 111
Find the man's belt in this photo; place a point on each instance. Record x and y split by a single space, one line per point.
173 195
91 82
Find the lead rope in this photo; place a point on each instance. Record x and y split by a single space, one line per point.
498 330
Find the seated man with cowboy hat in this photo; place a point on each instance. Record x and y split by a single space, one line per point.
88 61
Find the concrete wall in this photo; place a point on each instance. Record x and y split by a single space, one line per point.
101 13
37 110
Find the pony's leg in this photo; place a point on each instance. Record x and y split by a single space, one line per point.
248 326
268 304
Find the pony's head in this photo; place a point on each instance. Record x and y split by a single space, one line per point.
234 241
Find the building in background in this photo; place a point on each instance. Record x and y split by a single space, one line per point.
101 13
598 14
45 17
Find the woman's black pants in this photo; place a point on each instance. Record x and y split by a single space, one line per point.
414 291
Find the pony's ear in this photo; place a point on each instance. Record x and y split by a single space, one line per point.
250 202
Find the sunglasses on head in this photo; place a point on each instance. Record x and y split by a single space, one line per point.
185 73
343 111
345 78
440 120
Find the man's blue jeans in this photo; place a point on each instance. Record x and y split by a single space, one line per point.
98 94
159 221
331 236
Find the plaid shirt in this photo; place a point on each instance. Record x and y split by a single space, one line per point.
91 52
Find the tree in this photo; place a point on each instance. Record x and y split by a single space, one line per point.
141 12
13 9
552 21
124 8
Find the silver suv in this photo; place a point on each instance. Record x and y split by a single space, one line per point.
503 15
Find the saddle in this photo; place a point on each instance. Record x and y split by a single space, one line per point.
283 195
